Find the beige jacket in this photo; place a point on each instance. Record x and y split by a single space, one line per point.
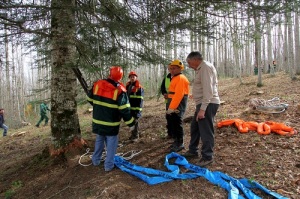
205 86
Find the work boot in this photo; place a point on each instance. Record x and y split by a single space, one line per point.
168 137
177 145
173 144
134 136
204 162
191 154
177 148
37 125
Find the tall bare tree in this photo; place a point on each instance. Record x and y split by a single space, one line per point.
297 40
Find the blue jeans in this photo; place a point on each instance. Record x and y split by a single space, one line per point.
5 129
111 144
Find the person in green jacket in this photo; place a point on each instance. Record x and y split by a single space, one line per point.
43 114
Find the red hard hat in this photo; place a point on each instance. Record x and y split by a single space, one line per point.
116 73
132 73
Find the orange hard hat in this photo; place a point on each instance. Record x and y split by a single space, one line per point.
116 73
132 73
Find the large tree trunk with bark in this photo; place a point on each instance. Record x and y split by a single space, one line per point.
65 127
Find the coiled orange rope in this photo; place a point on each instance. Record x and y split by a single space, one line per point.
263 128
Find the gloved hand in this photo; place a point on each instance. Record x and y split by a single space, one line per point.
170 111
131 128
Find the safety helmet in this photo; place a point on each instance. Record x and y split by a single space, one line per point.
177 62
132 73
116 73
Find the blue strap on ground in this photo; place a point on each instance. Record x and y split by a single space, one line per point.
154 176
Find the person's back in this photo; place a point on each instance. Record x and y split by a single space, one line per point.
110 104
109 95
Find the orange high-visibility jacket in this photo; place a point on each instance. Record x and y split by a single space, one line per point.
179 87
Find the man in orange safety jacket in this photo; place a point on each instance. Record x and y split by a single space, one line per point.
177 103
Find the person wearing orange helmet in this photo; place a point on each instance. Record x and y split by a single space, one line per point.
177 102
135 93
110 103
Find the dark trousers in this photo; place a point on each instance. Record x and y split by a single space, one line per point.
204 129
176 127
169 125
43 117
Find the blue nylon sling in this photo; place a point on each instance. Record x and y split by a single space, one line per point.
230 184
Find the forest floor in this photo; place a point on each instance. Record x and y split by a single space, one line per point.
271 160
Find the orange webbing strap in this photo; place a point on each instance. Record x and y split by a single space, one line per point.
263 128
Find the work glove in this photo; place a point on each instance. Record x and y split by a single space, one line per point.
170 111
131 128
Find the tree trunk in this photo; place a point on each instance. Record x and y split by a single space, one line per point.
258 48
297 43
290 46
269 47
7 74
65 127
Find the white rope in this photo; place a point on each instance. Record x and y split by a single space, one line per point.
268 106
90 156
130 154
127 156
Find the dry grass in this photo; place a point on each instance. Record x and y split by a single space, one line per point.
272 160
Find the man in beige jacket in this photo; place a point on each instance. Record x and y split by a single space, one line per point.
206 97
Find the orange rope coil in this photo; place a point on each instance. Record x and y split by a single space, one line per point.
263 128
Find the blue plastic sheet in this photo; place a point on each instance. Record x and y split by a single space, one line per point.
232 185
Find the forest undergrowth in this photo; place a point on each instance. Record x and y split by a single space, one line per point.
272 160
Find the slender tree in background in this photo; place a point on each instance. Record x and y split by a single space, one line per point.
290 43
297 40
141 35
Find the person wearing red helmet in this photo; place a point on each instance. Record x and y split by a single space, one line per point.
135 93
110 103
